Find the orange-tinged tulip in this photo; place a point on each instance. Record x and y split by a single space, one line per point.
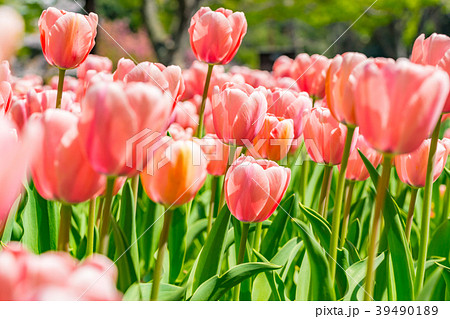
67 37
339 86
411 168
175 173
216 35
254 188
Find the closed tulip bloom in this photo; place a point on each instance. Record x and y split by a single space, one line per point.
411 169
339 86
185 114
215 36
310 73
282 67
67 37
254 188
289 105
356 170
275 138
325 137
124 66
175 173
435 50
119 123
238 113
61 171
17 152
398 103
96 63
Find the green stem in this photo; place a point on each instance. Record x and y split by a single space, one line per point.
135 189
426 210
446 208
204 97
62 72
231 155
90 231
242 246
303 179
257 242
106 214
338 202
347 207
409 219
160 257
325 191
64 227
212 203
383 183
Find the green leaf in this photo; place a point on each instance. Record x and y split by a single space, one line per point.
123 258
177 242
215 287
321 287
401 255
271 241
9 225
303 280
211 254
142 292
195 229
446 274
320 225
273 278
439 244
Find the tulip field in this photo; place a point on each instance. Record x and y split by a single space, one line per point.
323 179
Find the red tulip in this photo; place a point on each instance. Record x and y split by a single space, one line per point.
398 103
356 170
61 171
325 137
238 113
119 123
175 173
254 188
216 35
289 105
339 86
275 138
310 73
67 37
411 169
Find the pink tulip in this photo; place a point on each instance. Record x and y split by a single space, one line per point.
175 173
185 114
17 152
119 123
67 37
310 73
411 169
96 63
70 83
5 71
254 188
216 154
216 35
275 138
254 78
356 170
194 79
325 137
55 276
339 86
5 96
177 132
12 30
238 113
61 171
398 103
282 67
124 66
290 105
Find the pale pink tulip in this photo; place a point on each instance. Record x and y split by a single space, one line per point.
216 154
185 114
282 67
310 73
96 63
12 30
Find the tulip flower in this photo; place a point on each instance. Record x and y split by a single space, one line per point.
185 114
5 96
55 276
282 67
290 105
94 62
339 86
216 154
216 35
12 30
124 66
310 73
275 138
238 113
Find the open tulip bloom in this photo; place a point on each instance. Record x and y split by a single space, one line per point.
143 181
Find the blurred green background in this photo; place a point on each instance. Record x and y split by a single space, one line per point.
156 30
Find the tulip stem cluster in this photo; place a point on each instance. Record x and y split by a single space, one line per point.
160 257
325 191
203 104
106 214
426 211
62 72
409 219
346 218
64 227
382 186
338 202
242 247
